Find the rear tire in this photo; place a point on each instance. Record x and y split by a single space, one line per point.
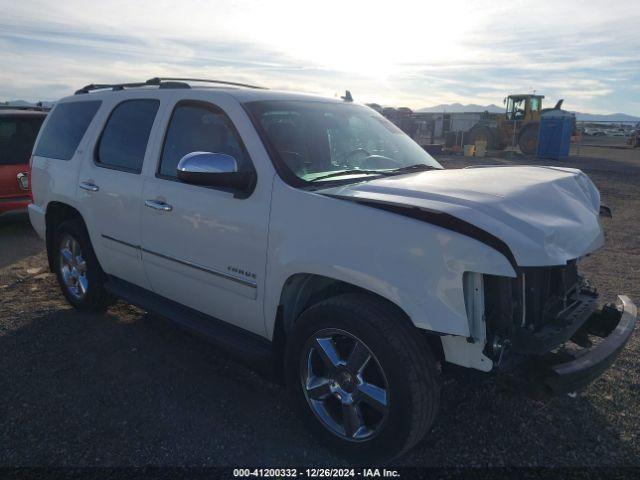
372 409
78 271
528 140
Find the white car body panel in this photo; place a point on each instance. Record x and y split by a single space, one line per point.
55 180
113 213
37 218
546 215
209 252
415 265
459 351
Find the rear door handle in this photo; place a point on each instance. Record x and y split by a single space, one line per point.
158 205
90 187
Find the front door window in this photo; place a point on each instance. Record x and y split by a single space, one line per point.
199 127
516 108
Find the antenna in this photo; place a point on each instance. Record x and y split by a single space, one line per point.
347 96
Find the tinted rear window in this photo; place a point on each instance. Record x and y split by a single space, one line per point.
125 137
17 135
65 128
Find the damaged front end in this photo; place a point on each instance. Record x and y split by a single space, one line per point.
546 319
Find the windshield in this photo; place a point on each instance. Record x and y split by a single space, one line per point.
316 141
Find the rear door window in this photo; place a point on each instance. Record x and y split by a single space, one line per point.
65 128
17 135
125 136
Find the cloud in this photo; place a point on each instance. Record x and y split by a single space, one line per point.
411 53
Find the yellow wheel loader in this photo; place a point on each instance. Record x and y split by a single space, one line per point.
517 126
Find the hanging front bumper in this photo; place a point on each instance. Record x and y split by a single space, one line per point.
614 324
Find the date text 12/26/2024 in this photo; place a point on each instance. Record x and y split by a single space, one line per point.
316 472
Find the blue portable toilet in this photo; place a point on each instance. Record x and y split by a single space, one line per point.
554 135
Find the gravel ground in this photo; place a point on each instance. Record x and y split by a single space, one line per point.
125 388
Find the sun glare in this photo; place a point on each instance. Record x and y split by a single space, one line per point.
367 39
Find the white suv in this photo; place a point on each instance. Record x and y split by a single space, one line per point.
320 243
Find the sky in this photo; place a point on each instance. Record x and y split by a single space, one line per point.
399 53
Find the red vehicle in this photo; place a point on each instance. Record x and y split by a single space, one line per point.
18 130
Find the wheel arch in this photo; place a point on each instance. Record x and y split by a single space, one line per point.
56 213
302 290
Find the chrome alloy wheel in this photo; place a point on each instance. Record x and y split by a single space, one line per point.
73 267
344 385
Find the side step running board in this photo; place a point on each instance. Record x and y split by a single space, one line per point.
246 347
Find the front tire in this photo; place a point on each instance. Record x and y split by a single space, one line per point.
528 141
482 133
362 377
78 271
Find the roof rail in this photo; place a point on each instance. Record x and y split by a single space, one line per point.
166 82
115 86
205 80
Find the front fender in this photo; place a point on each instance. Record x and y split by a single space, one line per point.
417 266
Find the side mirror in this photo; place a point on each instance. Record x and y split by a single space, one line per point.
213 170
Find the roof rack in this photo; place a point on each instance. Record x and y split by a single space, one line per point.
114 86
160 82
205 80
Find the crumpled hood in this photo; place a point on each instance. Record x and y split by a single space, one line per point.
545 215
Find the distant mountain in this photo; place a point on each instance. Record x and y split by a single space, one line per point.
458 108
581 117
449 108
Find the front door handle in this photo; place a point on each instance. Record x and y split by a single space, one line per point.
88 186
158 205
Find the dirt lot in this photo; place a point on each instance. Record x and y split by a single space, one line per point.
126 388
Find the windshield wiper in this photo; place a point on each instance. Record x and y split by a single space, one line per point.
351 172
418 167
